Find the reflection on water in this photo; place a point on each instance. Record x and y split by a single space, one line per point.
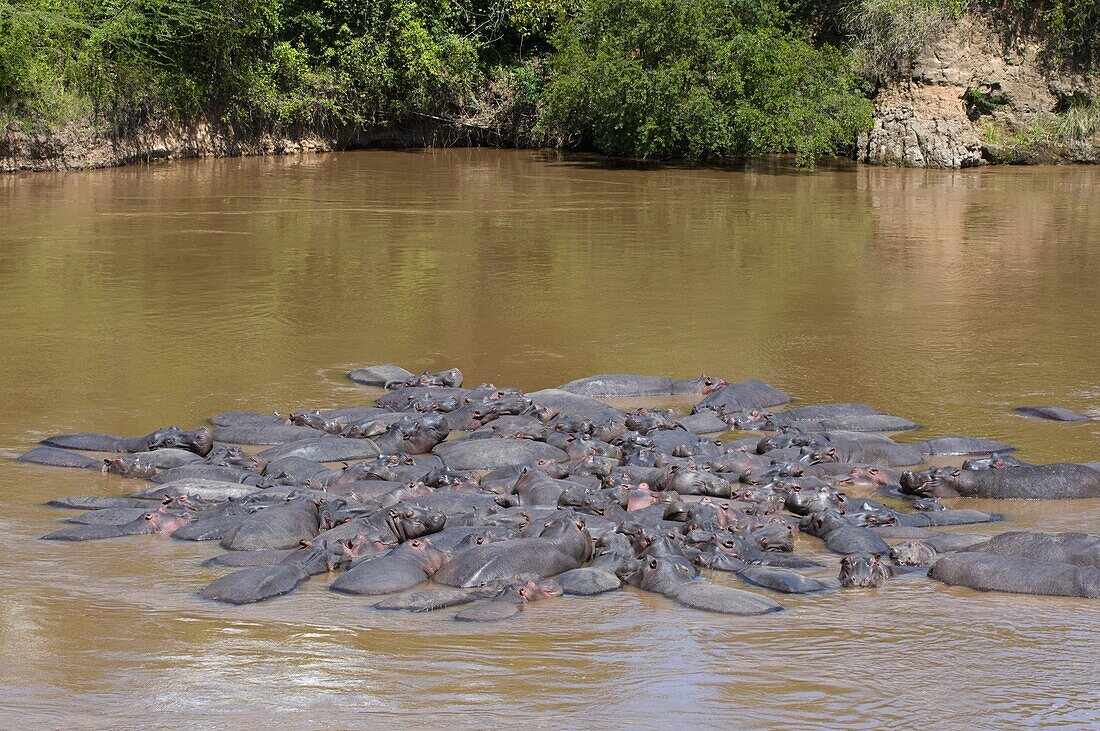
134 298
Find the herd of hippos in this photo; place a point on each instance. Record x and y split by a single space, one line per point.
488 498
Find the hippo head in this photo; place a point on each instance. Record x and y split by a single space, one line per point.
823 522
809 455
934 482
129 467
366 429
928 505
640 497
746 418
868 477
790 437
804 502
200 441
162 521
424 554
912 553
863 570
870 516
663 575
709 384
994 461
409 521
775 537
532 589
226 456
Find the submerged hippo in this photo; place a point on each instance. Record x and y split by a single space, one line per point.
1060 481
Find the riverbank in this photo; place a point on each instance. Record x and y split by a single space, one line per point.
937 84
977 94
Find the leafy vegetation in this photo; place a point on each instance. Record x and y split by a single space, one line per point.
659 79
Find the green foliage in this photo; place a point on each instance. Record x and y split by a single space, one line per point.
698 79
1072 27
887 33
980 103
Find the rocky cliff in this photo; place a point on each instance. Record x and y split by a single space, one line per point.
978 94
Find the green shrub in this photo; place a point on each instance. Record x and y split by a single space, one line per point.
698 79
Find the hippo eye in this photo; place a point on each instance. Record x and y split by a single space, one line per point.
148 516
874 470
653 564
170 442
416 544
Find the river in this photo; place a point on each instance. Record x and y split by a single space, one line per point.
139 297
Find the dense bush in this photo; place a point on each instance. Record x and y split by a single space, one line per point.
641 78
698 79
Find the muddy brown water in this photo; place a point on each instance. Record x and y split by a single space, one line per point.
139 297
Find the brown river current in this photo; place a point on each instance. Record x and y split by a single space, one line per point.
135 298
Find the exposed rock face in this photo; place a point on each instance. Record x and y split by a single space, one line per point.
922 120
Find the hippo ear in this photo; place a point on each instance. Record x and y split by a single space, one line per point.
304 544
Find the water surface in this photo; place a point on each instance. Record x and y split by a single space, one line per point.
139 297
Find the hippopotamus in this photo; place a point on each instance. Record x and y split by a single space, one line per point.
555 402
247 559
1017 574
97 502
693 482
867 449
410 520
435 597
863 571
781 580
1051 413
487 454
262 433
279 526
408 565
926 550
957 446
621 385
155 521
255 584
380 376
740 396
146 465
677 581
450 378
994 461
261 582
1061 481
702 423
199 441
511 600
195 488
322 449
841 536
807 501
202 471
57 457
414 436
848 417
108 516
1079 549
315 420
562 545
